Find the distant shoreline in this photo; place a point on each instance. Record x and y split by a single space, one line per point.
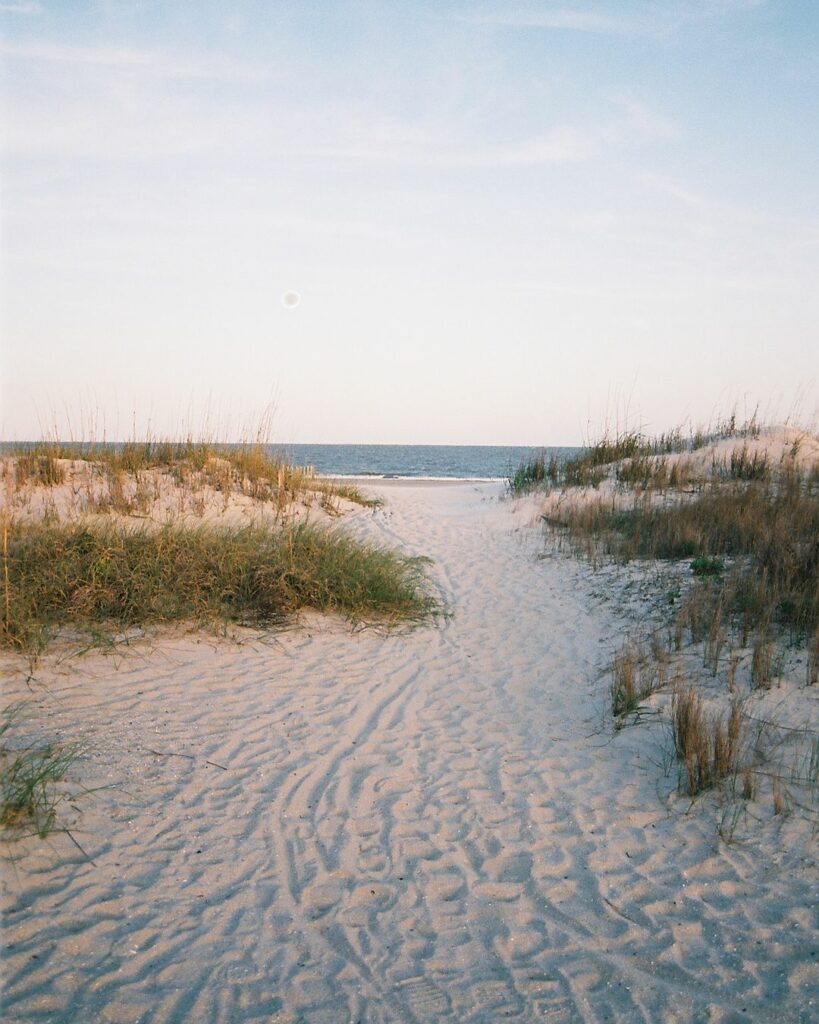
417 481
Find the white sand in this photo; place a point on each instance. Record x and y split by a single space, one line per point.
429 827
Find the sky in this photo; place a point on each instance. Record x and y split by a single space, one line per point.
494 222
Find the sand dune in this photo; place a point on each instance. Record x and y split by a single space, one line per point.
326 826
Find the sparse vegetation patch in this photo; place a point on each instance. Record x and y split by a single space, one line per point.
29 777
745 525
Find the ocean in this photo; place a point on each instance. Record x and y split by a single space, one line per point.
420 461
444 461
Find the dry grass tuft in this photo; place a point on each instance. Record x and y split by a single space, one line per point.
748 784
37 468
813 660
779 796
636 674
708 746
762 664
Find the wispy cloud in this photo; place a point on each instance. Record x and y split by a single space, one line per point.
644 119
631 120
630 19
121 109
559 145
570 19
677 190
563 144
22 7
61 53
159 64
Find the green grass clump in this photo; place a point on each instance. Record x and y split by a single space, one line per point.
28 776
63 575
746 466
580 471
587 469
533 473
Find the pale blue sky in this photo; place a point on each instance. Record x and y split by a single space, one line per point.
504 219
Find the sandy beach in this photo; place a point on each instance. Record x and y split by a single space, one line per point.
409 512
324 825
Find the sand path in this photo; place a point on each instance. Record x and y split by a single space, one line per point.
433 827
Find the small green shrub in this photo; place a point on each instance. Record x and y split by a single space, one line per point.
706 566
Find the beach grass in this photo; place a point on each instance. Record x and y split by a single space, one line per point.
29 776
107 576
768 528
707 745
252 468
533 473
745 521
633 458
636 673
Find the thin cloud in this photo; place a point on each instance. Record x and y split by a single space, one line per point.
631 20
559 146
155 63
676 190
21 8
646 120
61 53
571 20
388 142
109 128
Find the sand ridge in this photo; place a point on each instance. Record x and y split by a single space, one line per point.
333 826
